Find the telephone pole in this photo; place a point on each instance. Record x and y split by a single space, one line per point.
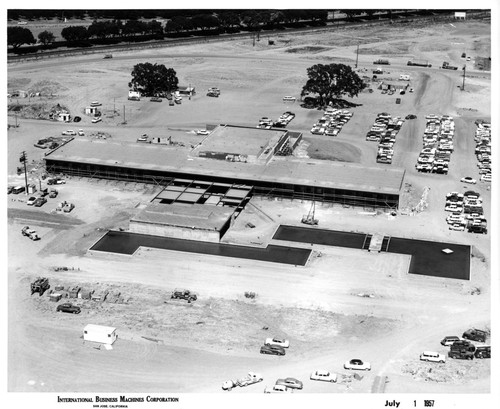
357 53
23 158
463 81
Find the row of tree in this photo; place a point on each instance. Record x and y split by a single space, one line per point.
217 22
16 14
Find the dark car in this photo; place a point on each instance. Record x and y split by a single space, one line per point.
10 189
475 335
40 202
155 99
67 307
483 352
272 350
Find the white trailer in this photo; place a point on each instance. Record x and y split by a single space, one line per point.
100 333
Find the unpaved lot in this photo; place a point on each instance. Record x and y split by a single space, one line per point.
342 304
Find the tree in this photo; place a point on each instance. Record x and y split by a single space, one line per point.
152 79
46 37
332 80
74 33
17 36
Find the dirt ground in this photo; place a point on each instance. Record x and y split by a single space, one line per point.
343 304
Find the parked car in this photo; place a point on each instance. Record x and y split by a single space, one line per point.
432 357
68 307
39 202
486 177
96 119
202 132
456 227
68 207
475 335
277 389
95 104
31 200
285 343
55 181
10 189
18 189
468 179
69 132
448 341
32 234
272 350
81 133
290 383
357 364
155 99
142 138
324 375
483 352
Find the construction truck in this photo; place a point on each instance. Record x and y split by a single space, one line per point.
309 218
446 65
40 285
381 62
419 63
182 294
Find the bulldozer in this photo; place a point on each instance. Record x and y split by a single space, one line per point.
40 285
309 218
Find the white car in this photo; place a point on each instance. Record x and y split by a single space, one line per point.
202 132
432 357
457 227
277 389
81 133
69 132
96 119
285 343
486 177
31 200
324 375
228 385
357 364
95 104
468 179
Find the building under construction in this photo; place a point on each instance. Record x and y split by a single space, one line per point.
233 155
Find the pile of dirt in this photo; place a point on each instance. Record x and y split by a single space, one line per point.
452 372
37 110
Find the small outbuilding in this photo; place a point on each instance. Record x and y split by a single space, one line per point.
100 333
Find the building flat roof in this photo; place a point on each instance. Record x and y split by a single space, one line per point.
204 217
239 140
287 170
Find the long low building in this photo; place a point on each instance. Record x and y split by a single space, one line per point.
283 176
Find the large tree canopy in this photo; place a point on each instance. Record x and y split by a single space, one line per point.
332 81
17 36
152 79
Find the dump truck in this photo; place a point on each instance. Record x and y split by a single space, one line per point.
446 65
40 285
419 63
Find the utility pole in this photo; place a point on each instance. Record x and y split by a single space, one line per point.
463 82
357 53
124 120
114 106
23 158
